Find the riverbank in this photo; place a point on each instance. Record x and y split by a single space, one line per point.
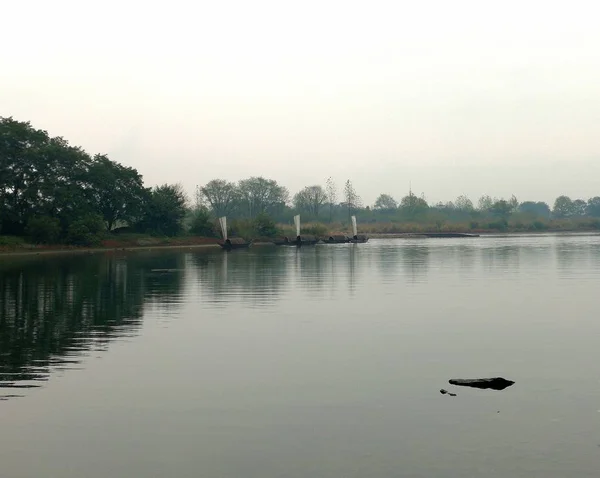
21 248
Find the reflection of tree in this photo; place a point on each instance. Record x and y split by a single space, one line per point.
504 256
415 261
53 309
256 276
574 254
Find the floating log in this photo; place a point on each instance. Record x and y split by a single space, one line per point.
495 383
446 392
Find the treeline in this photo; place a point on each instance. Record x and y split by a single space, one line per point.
53 192
330 205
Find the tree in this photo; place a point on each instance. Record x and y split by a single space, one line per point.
385 202
540 209
220 195
39 175
563 207
593 207
501 209
201 223
485 203
331 191
579 208
310 199
351 199
513 202
165 210
117 192
411 205
463 203
258 195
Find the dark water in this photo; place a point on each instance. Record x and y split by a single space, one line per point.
325 361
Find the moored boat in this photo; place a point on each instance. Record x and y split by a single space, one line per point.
356 237
231 243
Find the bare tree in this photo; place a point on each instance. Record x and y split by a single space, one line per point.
351 199
331 189
310 199
220 196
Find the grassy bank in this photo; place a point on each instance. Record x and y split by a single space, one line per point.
12 244
471 227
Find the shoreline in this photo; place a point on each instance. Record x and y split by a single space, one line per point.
48 250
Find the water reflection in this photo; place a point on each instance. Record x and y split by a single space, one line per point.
255 277
54 310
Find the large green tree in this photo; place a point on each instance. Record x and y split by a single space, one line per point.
593 207
39 176
385 202
412 206
164 210
117 192
563 207
540 208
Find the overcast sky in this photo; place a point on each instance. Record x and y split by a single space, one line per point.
458 97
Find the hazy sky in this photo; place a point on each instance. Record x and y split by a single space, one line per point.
459 97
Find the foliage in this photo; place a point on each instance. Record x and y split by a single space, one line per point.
485 203
86 231
411 206
593 207
536 209
201 223
43 230
220 195
386 202
264 226
331 190
310 199
501 209
563 207
259 195
352 200
116 191
463 203
164 211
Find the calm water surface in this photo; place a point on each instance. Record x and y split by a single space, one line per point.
324 361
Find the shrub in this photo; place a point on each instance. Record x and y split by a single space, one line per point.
87 231
264 226
201 224
43 229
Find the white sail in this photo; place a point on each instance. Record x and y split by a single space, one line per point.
354 229
223 222
297 222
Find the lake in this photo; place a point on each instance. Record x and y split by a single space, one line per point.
323 361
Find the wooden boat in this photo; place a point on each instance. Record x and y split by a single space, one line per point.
336 239
300 239
235 243
448 234
231 243
357 238
305 240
